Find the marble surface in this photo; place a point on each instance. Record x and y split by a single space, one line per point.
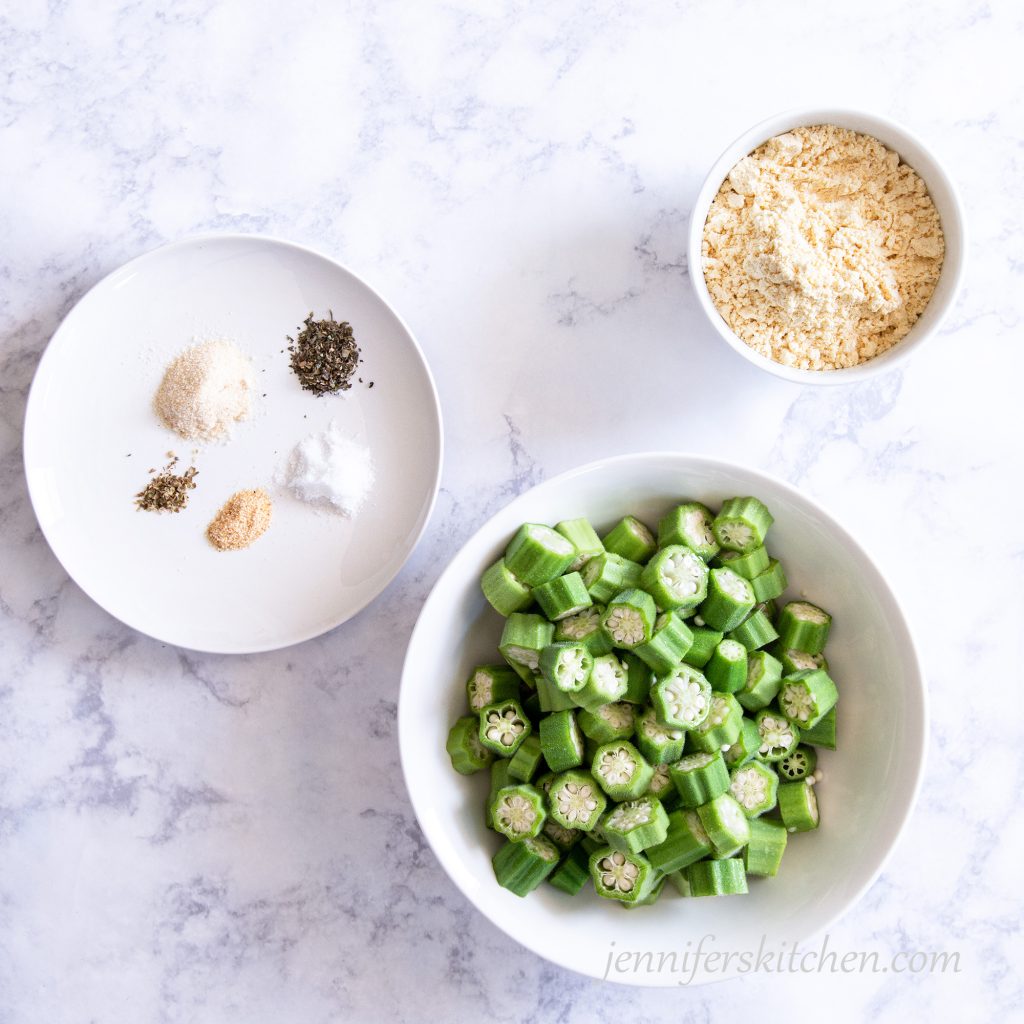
179 840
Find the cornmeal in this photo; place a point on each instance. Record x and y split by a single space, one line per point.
822 248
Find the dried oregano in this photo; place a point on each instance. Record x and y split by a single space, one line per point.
325 355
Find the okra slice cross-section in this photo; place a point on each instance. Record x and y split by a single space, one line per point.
634 825
621 770
606 683
537 554
741 524
490 684
729 600
804 627
778 735
575 800
722 726
806 697
585 627
689 524
468 755
620 875
675 577
798 764
629 618
755 787
660 744
566 666
681 699
518 812
503 727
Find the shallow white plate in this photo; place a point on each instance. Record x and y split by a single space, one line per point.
869 784
91 436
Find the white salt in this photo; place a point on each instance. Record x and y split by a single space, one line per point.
332 471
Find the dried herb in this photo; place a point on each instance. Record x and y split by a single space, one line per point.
324 355
167 491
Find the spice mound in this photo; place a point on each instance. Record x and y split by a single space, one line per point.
206 390
332 471
243 519
167 491
325 355
822 248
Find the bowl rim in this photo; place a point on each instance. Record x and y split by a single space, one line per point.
953 226
690 459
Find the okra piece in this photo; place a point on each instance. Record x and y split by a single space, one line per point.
630 539
741 524
573 873
653 891
563 596
583 538
550 698
585 627
705 641
560 741
763 854
522 640
635 825
638 679
727 669
629 618
503 727
822 733
518 812
675 577
660 744
563 838
503 591
722 726
670 640
798 806
491 684
689 525
779 736
798 661
609 574
617 875
606 683
526 760
771 583
566 665
764 677
661 787
804 627
755 787
521 867
537 554
685 843
615 721
699 778
755 631
729 600
467 753
726 825
576 801
752 564
806 697
798 764
717 878
745 746
500 778
682 699
621 770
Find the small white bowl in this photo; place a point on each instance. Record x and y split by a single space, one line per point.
912 151
869 784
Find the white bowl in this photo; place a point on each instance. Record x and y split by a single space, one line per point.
869 784
911 151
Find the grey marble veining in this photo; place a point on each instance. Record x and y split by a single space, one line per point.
196 838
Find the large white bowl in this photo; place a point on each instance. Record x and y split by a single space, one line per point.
869 784
912 151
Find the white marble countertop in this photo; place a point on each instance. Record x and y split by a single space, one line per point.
177 842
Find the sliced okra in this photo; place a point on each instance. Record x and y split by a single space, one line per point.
798 764
635 825
798 806
615 721
755 631
771 583
689 524
503 727
745 745
490 684
629 618
669 642
755 787
606 683
504 592
803 626
763 854
798 661
566 665
467 753
729 600
764 677
583 538
752 564
699 778
618 875
608 574
573 872
722 726
726 825
717 878
585 627
778 735
575 800
518 812
631 539
537 554
742 524
650 895
525 762
806 697
563 596
675 577
682 698
661 786
500 778
727 669
521 867
621 770
550 698
561 741
563 838
685 843
638 679
660 744
823 732
705 640
522 640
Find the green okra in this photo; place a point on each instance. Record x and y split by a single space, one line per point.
489 684
615 721
752 564
661 787
798 806
468 755
500 778
705 640
685 843
726 825
503 591
745 746
521 867
681 699
660 744
689 525
651 895
755 787
699 778
573 872
763 854
798 764
621 770
563 596
803 626
822 733
576 801
764 677
605 684
635 825
726 671
676 578
779 735
630 539
537 554
720 728
503 727
669 642
561 742
583 538
609 574
525 762
771 583
755 631
717 877
730 599
798 661
523 638
742 524
806 697
629 618
563 838
585 627
566 665
638 679
623 876
550 697
518 812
